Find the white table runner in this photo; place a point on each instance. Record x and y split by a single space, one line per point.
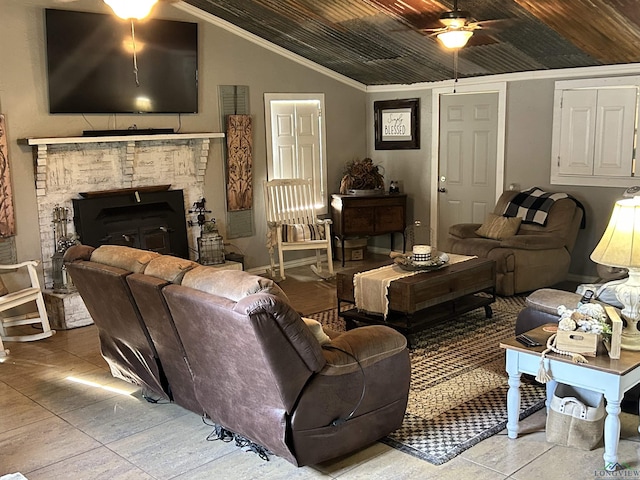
370 288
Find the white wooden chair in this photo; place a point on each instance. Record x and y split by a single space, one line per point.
293 224
10 300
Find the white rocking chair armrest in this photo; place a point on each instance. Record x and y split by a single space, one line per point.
32 263
324 221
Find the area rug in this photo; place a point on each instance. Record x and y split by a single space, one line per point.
458 393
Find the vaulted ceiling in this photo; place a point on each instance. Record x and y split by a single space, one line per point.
381 42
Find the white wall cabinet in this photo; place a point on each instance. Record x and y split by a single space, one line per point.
594 132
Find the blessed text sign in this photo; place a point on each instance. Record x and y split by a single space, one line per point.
396 124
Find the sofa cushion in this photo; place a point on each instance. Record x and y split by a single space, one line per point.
302 232
499 227
169 268
231 284
126 258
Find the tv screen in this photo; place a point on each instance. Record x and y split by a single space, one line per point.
90 64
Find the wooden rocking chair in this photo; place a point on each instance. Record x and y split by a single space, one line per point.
10 300
292 223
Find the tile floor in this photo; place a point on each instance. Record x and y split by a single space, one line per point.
62 415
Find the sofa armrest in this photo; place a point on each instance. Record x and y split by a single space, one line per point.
533 242
464 230
369 344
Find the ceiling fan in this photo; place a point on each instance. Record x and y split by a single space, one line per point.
458 27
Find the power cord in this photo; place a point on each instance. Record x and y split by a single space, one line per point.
340 421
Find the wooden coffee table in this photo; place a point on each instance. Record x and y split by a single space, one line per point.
417 300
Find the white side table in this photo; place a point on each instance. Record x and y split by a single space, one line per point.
610 377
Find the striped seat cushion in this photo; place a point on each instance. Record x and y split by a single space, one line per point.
302 232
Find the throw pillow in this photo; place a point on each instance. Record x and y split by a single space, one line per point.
498 227
316 329
302 232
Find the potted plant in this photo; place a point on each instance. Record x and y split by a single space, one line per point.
362 177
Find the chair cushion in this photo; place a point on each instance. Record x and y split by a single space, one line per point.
302 232
549 299
498 227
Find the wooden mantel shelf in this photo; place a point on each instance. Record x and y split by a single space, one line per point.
119 138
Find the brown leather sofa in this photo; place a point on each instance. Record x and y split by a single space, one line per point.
535 257
228 345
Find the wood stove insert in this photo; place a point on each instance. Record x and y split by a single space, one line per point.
148 218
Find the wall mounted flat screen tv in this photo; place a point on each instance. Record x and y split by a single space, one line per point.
90 64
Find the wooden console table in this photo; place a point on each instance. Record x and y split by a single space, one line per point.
368 215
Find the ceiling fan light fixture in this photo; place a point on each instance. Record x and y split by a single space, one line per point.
454 19
455 38
131 9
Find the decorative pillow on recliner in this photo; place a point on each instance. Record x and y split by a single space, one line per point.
302 232
498 227
316 328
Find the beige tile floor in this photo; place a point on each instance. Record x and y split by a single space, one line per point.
53 427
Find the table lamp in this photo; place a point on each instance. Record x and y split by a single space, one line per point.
620 247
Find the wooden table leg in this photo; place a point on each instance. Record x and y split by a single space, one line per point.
513 395
611 434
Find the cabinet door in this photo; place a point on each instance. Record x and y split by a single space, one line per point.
614 132
358 220
577 129
389 219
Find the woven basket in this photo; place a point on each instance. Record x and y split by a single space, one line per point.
575 417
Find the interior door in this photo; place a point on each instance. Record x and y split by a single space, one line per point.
295 134
467 160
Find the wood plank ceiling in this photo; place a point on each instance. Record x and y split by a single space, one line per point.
380 42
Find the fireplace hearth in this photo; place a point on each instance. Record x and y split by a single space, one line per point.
150 218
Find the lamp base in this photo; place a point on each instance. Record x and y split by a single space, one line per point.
628 294
630 341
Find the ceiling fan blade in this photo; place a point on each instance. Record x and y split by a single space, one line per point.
497 23
479 39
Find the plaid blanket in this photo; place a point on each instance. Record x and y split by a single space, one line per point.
532 205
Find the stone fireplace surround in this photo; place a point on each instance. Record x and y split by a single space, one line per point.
64 167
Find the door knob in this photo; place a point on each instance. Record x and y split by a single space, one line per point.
442 190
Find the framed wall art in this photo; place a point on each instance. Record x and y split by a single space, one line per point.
397 124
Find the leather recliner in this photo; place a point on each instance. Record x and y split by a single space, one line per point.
535 257
227 344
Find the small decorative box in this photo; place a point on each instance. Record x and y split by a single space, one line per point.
578 342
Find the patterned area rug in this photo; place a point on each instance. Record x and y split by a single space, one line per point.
458 394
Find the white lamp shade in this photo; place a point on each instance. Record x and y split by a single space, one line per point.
128 9
455 38
620 243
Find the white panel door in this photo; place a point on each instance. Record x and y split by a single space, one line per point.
285 144
295 136
614 132
578 124
467 159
